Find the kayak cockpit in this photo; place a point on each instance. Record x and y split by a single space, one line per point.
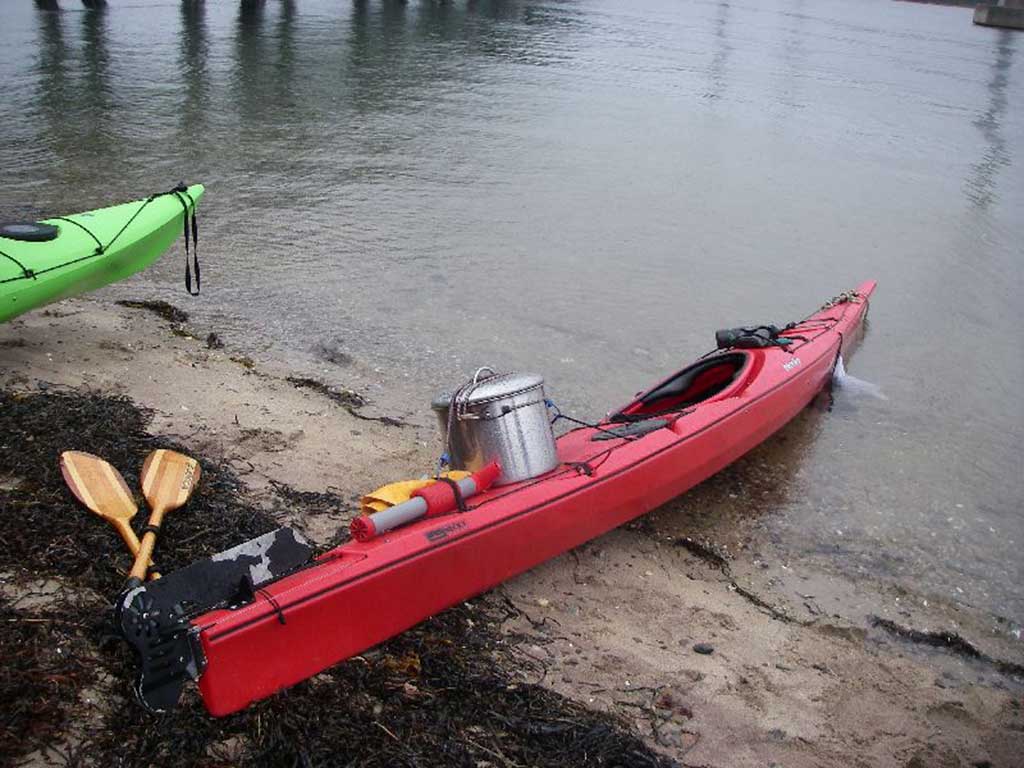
694 384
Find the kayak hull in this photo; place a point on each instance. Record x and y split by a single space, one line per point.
70 265
362 593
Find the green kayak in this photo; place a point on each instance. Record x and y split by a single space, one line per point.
56 258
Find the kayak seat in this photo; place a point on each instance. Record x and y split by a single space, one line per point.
694 384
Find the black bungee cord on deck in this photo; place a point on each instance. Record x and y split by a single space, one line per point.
26 273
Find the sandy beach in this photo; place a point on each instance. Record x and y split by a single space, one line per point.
797 665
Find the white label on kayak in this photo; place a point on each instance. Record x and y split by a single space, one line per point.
791 364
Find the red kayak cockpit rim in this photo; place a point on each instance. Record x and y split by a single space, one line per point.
697 383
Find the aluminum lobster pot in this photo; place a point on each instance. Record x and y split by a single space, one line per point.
501 418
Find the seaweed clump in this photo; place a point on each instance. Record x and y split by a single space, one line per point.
45 534
947 641
348 399
160 308
451 691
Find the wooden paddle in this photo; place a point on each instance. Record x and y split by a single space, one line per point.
168 479
102 490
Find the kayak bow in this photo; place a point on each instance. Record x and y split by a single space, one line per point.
65 256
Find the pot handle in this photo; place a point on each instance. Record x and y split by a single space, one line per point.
481 369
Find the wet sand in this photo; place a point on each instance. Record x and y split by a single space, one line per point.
809 665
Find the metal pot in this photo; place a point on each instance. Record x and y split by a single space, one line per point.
500 418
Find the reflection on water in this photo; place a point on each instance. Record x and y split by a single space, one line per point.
980 185
51 54
53 90
717 68
376 58
794 57
74 95
195 74
96 89
286 56
251 62
424 187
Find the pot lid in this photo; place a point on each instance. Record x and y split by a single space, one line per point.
497 387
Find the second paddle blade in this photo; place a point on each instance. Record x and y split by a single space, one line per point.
168 479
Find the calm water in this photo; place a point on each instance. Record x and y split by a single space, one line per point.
589 189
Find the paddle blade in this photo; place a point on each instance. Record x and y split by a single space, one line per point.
98 485
168 479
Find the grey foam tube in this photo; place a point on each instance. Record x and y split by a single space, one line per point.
413 509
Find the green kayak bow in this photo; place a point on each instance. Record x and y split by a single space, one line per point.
53 259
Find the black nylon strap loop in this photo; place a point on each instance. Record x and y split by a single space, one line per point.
190 229
195 247
154 529
460 502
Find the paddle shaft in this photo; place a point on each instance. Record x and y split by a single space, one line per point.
133 543
145 552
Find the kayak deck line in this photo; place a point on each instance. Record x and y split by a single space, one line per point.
361 593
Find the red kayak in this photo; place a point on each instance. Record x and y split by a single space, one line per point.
664 442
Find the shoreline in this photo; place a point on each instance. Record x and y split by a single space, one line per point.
808 666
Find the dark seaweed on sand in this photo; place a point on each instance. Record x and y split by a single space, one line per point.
441 694
44 533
